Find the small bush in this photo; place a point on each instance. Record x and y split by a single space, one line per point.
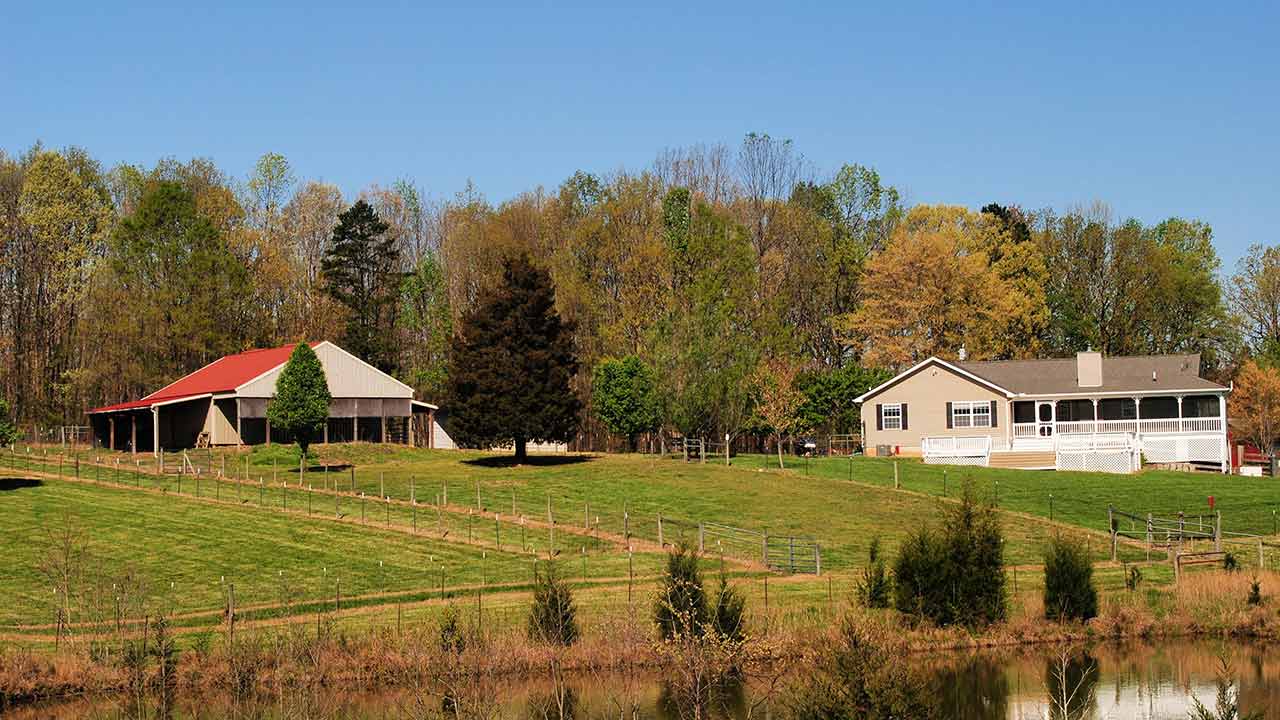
1230 563
1069 593
452 639
1132 577
553 618
956 576
874 588
681 606
728 614
863 676
1255 593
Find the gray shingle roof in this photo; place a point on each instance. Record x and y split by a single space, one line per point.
1119 374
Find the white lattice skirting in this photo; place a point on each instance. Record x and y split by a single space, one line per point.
1122 461
1184 448
977 460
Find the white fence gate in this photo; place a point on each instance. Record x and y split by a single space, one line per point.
956 450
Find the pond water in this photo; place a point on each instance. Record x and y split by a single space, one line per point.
1129 682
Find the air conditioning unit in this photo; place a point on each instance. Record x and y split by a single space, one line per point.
884 450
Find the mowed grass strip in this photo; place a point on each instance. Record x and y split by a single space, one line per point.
188 551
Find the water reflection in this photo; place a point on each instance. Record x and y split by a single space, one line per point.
1118 682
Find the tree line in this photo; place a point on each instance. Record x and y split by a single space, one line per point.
713 273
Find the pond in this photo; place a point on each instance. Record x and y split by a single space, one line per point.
1123 682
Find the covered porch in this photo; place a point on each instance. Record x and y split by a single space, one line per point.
1037 422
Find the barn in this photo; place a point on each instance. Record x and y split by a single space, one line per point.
225 403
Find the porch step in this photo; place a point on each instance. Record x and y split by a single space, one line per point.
1022 459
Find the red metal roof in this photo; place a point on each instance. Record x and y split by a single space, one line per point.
220 376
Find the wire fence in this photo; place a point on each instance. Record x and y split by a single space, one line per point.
505 519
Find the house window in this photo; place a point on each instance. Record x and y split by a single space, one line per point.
971 414
892 415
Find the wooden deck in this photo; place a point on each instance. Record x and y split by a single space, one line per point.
1022 459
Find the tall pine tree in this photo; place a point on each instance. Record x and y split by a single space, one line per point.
361 270
511 365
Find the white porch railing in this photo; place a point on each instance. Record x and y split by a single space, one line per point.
974 450
1153 426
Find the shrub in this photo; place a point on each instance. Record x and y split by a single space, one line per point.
874 587
863 676
681 606
452 640
8 430
1255 593
1230 563
727 616
553 618
955 576
1069 593
1132 577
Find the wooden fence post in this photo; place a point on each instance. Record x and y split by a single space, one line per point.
817 559
701 537
1217 531
660 543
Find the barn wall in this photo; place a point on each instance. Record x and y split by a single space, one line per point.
221 422
347 375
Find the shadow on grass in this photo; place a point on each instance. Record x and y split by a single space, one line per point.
320 468
507 461
11 484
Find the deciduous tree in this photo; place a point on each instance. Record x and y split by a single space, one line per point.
624 397
1256 296
780 397
1255 402
301 403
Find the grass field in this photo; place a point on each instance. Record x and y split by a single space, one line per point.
186 553
616 492
188 549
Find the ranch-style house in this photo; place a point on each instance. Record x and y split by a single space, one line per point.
1088 412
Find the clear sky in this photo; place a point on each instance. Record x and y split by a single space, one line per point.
1158 108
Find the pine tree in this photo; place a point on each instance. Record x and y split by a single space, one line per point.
301 403
511 365
361 270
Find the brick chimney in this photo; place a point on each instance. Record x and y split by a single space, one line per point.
1089 369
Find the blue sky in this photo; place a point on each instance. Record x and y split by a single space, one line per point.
1156 108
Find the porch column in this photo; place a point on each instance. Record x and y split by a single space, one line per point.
111 433
238 435
1096 419
1180 428
326 431
133 433
431 429
384 429
1226 444
155 431
268 432
355 423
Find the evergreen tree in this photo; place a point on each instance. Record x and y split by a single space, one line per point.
511 365
301 403
625 397
681 608
361 270
553 618
1069 593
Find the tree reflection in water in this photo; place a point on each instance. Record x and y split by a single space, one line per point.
1071 682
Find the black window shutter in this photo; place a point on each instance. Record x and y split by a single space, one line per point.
993 413
948 416
879 416
904 416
